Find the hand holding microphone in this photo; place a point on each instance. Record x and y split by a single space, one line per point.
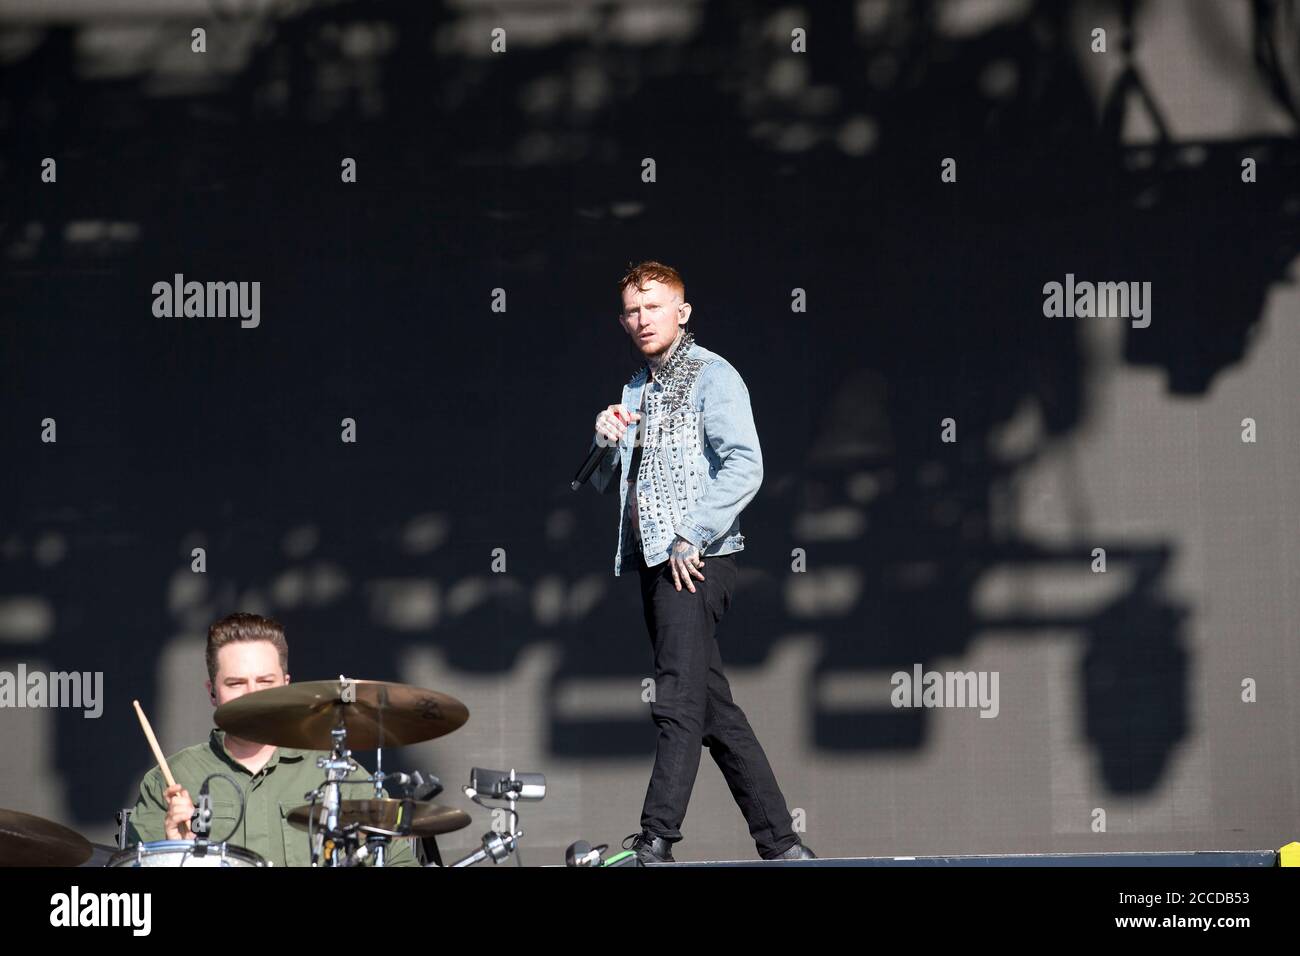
611 424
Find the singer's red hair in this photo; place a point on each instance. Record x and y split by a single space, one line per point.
643 272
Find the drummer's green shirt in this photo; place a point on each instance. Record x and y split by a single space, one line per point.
269 795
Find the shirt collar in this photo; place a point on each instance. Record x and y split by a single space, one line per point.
217 741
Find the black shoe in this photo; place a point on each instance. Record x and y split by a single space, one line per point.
650 849
796 852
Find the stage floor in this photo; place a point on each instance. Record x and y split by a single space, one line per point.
1189 858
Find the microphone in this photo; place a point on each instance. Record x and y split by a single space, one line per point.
417 785
598 451
201 818
582 853
507 784
590 465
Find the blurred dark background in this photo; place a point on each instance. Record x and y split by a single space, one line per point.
775 171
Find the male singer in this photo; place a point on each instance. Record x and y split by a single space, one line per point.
691 468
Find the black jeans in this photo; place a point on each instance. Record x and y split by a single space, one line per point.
692 707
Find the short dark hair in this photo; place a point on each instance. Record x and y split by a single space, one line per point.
241 626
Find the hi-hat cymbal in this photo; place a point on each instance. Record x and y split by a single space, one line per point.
27 840
408 817
302 715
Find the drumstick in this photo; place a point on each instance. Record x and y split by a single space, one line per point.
153 744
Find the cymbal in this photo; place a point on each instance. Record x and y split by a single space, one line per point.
27 840
301 715
421 819
100 854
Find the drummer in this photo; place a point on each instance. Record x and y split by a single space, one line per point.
245 653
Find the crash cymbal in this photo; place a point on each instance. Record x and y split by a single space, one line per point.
27 840
302 715
407 816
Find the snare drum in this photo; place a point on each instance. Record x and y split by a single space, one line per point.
185 853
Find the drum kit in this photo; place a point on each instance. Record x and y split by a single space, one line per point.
331 716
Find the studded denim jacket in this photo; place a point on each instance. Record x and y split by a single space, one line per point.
700 459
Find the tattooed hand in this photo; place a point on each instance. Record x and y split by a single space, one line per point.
685 560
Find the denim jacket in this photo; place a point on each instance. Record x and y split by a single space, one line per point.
700 459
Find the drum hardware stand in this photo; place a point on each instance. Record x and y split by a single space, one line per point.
372 842
123 820
378 845
377 840
336 766
358 854
498 846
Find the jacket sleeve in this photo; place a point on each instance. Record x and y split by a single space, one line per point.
729 429
610 465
